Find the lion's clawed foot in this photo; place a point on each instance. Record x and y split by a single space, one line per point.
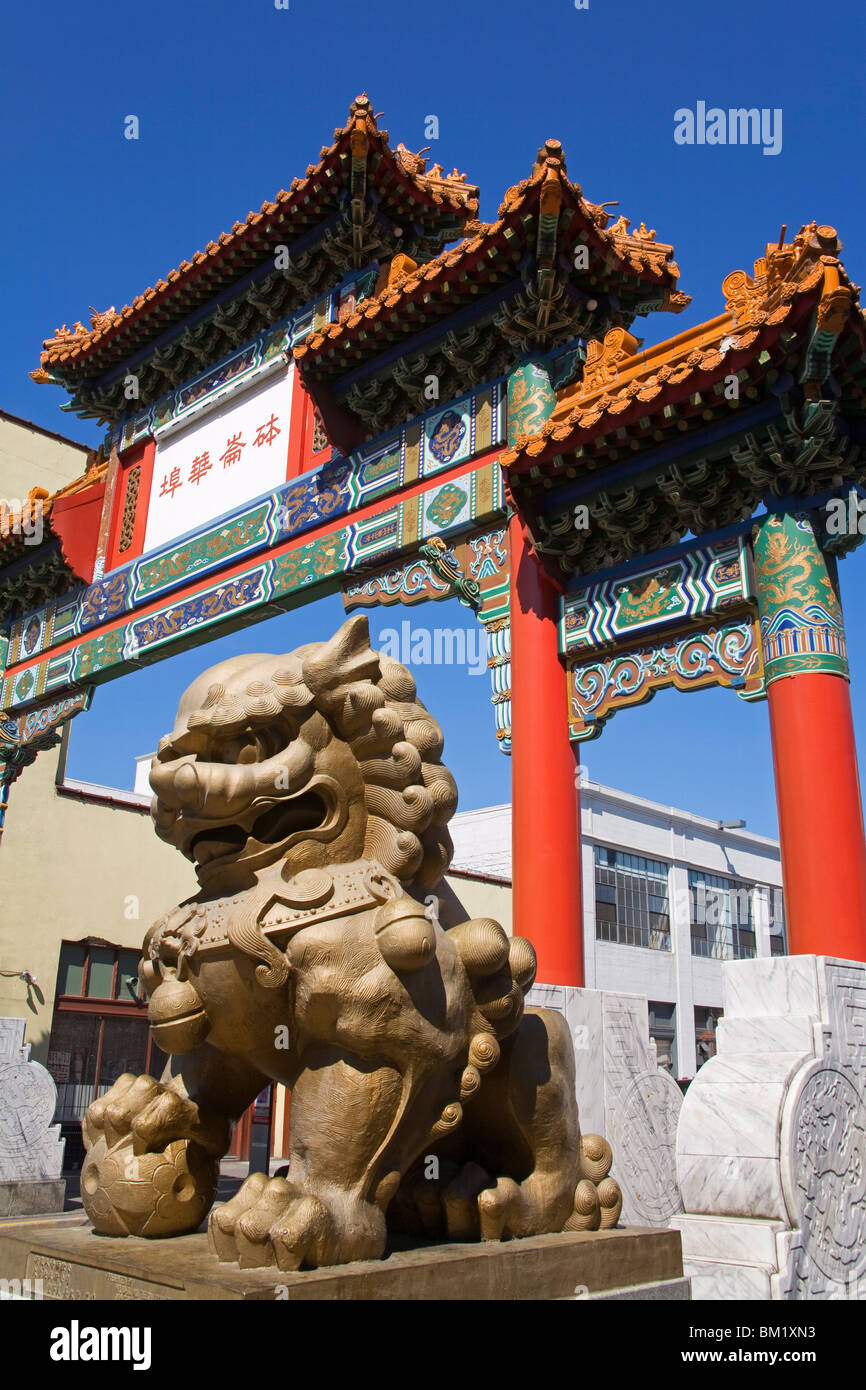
272 1222
152 1115
597 1197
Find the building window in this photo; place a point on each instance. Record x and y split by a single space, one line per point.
778 925
100 1028
723 926
98 972
662 1026
631 900
706 1019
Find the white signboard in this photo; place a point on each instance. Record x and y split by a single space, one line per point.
223 461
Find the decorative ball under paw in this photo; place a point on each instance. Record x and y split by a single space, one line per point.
149 1194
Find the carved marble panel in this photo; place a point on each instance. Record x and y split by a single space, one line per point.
773 1133
629 1099
30 1146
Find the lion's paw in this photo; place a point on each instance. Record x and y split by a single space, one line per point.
271 1222
150 1167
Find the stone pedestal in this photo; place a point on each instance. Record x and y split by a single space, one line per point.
31 1150
771 1146
65 1259
624 1095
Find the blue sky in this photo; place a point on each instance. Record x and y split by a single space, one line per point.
234 99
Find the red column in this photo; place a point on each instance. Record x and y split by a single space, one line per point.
817 786
820 815
546 861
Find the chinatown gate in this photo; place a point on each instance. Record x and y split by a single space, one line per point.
329 398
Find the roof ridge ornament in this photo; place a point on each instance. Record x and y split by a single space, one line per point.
603 359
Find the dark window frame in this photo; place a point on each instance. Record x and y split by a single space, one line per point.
105 1009
638 883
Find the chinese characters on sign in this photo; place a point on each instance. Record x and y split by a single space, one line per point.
265 434
229 458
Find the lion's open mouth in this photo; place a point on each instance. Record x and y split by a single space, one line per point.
271 827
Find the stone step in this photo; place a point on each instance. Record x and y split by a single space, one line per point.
730 1240
717 1282
664 1291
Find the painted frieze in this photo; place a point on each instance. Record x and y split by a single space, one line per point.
266 580
473 568
727 654
692 586
321 495
226 542
413 581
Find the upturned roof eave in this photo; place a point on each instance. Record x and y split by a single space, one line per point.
434 278
563 434
433 195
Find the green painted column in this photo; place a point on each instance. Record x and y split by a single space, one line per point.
531 398
798 599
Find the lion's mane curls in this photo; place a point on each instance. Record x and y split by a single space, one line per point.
371 703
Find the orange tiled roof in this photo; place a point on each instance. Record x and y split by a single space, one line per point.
637 256
618 381
359 138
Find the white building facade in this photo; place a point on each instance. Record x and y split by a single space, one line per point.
667 898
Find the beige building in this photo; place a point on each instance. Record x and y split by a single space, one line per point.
81 872
31 456
77 863
82 877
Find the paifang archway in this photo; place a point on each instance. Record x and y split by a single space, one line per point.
329 397
746 432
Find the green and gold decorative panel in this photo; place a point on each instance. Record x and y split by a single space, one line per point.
227 542
531 399
798 599
693 585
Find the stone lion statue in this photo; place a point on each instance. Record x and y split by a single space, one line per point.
309 791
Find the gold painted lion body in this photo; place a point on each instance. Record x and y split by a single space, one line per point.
309 791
